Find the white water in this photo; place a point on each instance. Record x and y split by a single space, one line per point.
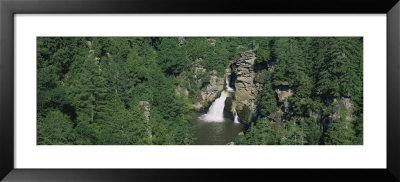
236 120
228 88
216 111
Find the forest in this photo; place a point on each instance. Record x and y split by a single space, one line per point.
144 90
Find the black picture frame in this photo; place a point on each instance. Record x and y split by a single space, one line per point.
9 8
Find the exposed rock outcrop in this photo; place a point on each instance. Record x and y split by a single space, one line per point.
283 92
181 41
246 87
338 104
212 41
347 103
146 110
206 94
213 89
181 91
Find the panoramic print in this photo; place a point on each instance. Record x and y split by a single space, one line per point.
199 91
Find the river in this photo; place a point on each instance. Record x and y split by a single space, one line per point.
217 127
215 133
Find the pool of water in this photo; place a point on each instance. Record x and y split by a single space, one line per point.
215 133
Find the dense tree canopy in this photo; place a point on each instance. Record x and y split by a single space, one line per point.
89 89
326 107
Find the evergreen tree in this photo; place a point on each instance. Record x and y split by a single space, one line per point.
264 51
88 90
267 99
290 59
313 133
340 131
294 134
55 129
122 126
171 57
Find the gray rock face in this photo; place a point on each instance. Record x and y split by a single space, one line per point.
89 43
246 87
348 104
146 109
180 91
207 94
212 41
283 92
213 89
181 40
91 51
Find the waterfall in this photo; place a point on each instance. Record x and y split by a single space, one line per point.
216 111
228 88
236 120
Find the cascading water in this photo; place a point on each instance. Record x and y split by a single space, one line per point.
212 127
236 119
216 111
228 88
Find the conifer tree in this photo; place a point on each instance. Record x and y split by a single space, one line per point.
267 98
55 129
340 131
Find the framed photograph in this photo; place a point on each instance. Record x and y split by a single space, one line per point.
152 91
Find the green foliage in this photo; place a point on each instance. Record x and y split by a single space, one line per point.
215 57
294 134
138 71
358 129
88 89
318 70
267 100
171 56
313 132
122 126
51 95
340 131
86 133
301 99
260 134
110 46
99 90
264 51
340 68
205 79
55 129
289 59
159 133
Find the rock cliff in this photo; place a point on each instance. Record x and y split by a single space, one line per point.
206 93
246 87
283 92
146 111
